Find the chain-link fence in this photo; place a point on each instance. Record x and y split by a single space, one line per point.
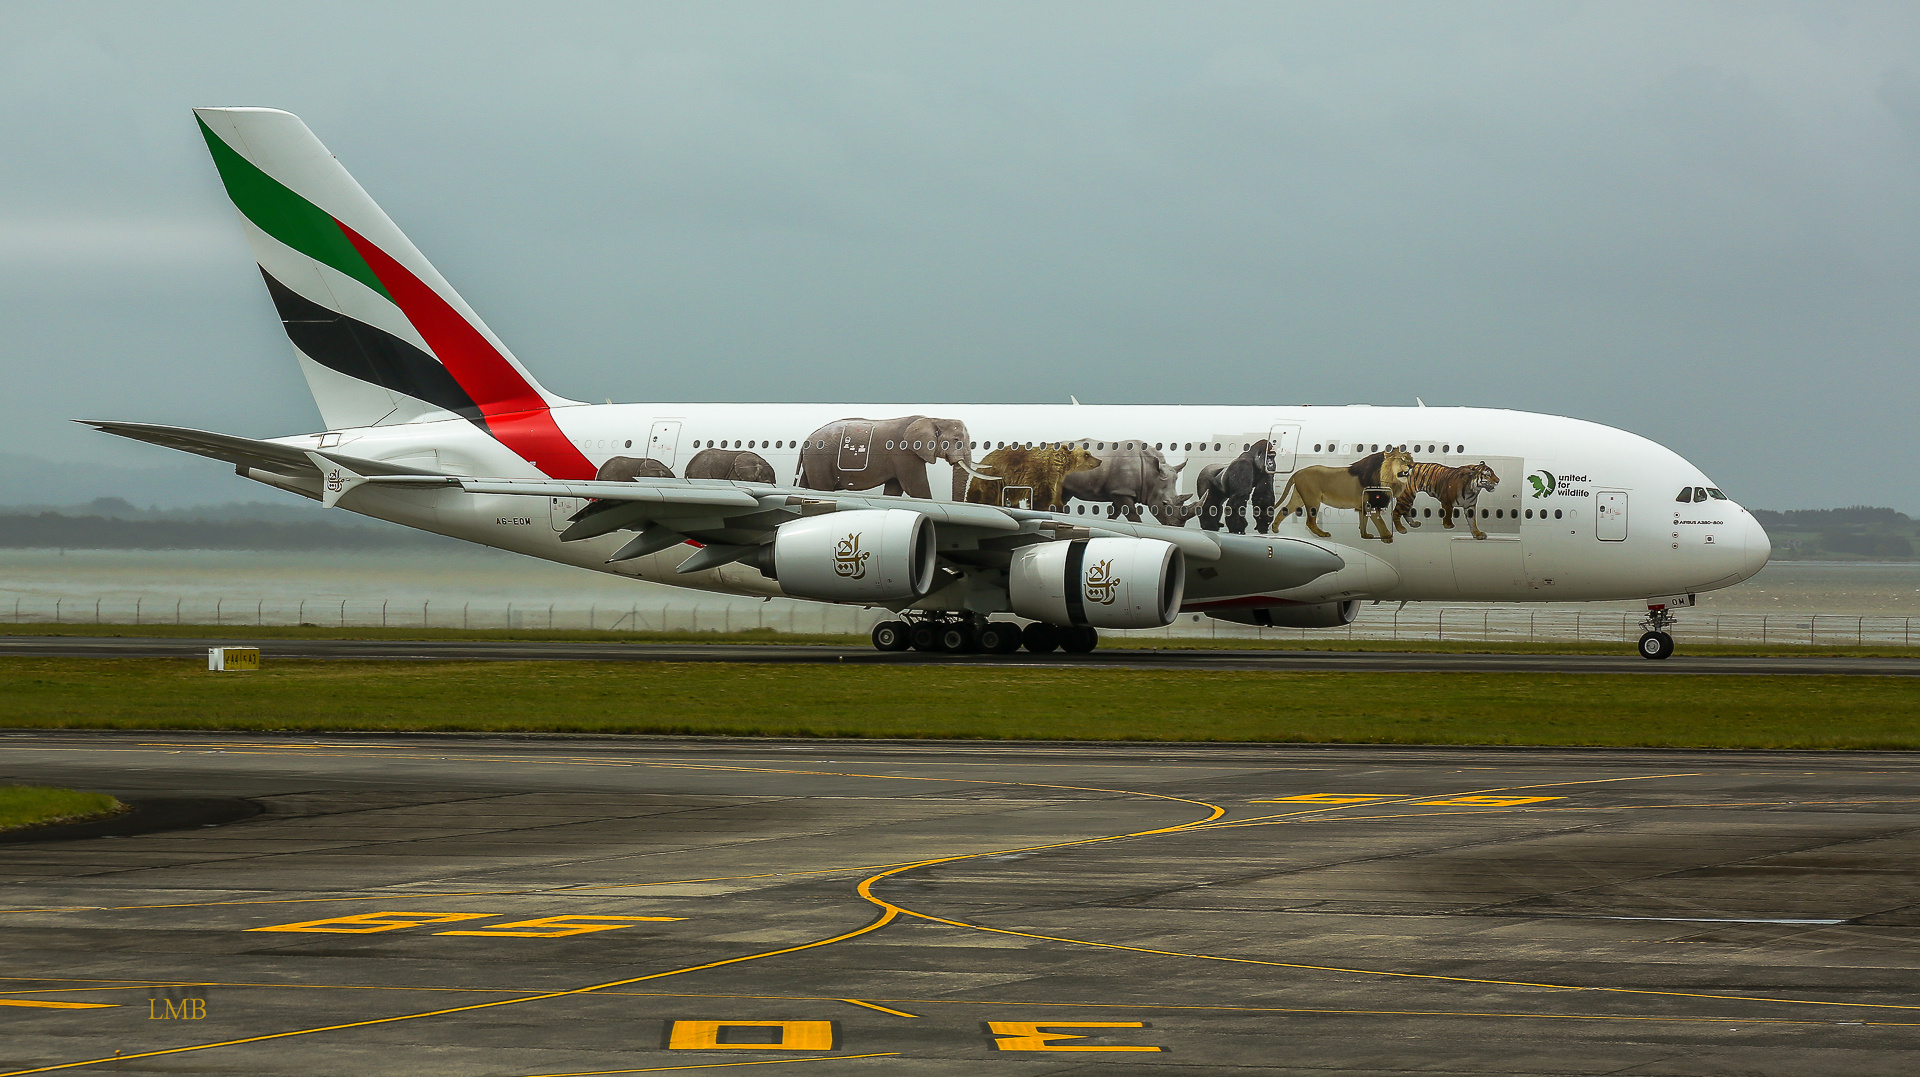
1413 622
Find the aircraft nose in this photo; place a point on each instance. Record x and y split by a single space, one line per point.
1756 546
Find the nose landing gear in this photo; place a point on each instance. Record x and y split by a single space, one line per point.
1656 643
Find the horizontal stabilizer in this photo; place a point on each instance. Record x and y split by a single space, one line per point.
244 452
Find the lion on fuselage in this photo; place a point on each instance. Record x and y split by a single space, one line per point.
1315 488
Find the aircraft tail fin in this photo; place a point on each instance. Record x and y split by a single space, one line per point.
382 337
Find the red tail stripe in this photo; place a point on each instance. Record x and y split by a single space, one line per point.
516 413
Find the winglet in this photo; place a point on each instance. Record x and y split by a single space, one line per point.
336 479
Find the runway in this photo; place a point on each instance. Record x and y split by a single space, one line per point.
1115 658
507 907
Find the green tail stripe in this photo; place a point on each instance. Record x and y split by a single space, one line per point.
285 215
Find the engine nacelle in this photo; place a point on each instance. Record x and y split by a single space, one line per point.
1103 582
869 555
1319 615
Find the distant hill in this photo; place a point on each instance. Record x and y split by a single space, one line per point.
1857 532
111 523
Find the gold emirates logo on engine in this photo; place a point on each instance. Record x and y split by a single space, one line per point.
1102 584
849 560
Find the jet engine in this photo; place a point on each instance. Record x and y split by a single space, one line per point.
1319 615
868 555
1103 582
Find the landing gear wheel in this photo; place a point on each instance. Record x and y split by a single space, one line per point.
958 639
999 637
891 636
1656 645
925 638
1079 639
1039 637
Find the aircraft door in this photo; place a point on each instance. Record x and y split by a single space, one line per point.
1016 497
1285 440
664 442
1610 515
855 440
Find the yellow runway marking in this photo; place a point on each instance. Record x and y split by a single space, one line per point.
57 1005
882 1009
1371 803
886 916
715 1065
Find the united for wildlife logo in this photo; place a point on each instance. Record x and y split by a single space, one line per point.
1543 483
1102 584
849 560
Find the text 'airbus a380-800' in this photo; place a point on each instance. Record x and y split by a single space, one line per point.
1074 518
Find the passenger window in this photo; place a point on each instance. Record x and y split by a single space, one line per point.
1216 446
1483 514
1446 448
1556 514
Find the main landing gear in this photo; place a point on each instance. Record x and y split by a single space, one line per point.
1656 643
966 634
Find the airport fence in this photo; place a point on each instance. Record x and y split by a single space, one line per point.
1386 621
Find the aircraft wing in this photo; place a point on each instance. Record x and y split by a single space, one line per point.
731 520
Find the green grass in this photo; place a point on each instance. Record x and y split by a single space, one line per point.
1011 703
1108 641
39 805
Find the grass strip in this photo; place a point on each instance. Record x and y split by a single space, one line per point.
1619 710
1108 640
41 805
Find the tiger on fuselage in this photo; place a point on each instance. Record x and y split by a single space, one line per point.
1451 486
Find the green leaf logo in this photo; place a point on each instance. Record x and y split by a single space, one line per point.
1543 483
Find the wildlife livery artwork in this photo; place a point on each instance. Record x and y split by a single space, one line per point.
951 517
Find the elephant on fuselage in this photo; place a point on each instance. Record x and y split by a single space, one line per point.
628 468
1129 475
860 454
740 465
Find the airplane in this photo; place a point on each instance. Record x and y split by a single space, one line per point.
1072 518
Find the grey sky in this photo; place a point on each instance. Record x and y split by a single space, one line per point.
1700 222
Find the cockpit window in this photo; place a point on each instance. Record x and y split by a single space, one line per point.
1699 493
1686 494
1714 493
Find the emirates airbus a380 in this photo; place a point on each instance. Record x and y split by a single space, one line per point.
1074 518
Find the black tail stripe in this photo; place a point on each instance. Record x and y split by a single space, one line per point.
362 351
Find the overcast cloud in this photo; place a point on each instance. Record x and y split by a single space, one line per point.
1700 222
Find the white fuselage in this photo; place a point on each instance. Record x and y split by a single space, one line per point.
1580 511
